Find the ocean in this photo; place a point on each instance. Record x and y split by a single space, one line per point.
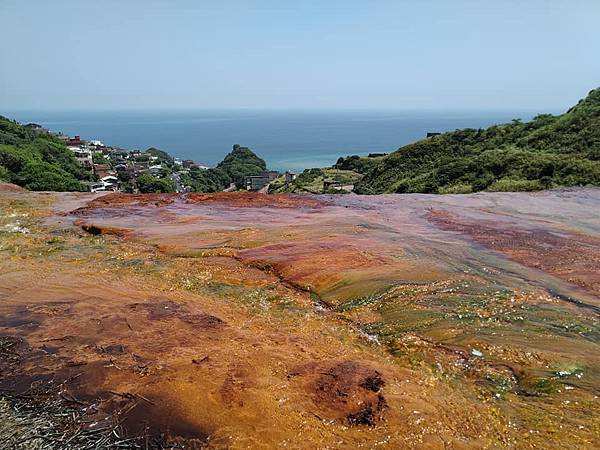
287 140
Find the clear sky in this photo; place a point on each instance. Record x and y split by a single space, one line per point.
459 54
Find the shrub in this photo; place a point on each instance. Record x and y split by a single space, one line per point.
508 185
459 188
4 174
146 183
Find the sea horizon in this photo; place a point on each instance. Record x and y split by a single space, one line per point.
288 139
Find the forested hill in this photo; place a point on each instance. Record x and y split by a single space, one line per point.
241 162
37 161
549 151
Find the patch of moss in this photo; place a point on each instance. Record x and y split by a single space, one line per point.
536 386
499 383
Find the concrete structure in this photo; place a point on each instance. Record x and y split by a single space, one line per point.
156 170
137 168
256 183
111 183
289 177
103 170
332 185
96 186
83 156
75 141
108 183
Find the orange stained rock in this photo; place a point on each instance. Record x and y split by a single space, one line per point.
255 199
203 324
571 256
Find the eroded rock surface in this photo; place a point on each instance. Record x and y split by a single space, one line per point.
245 320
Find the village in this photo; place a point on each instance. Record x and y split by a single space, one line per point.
118 169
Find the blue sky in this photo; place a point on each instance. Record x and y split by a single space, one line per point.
426 54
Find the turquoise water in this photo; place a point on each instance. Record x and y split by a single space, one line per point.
285 139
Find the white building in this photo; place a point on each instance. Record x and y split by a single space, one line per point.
156 170
83 155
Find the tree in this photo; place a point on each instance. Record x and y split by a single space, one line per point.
4 174
242 162
146 183
38 162
99 158
163 157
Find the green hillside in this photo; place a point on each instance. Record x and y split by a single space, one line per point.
314 181
241 162
39 162
549 151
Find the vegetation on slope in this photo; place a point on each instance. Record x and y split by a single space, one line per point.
163 157
37 161
549 151
241 162
358 164
313 181
148 184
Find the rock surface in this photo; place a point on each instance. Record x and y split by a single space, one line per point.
246 320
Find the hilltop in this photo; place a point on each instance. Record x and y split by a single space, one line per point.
549 151
238 164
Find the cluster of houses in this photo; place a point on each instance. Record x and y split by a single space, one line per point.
115 161
83 152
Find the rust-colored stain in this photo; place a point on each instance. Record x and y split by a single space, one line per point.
571 256
254 199
251 321
117 199
346 390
